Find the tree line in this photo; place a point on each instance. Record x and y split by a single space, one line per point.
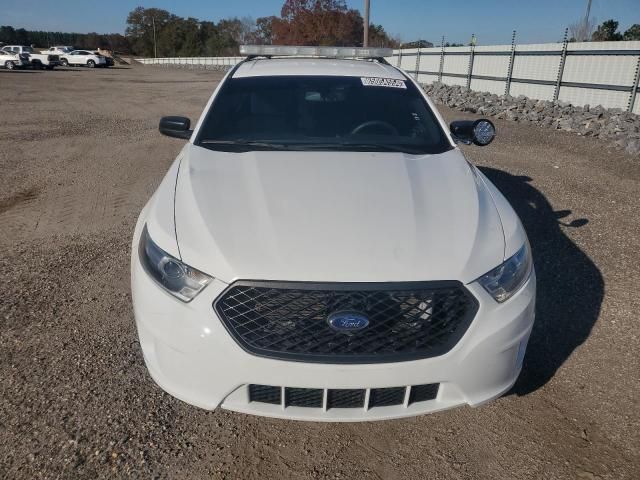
20 36
154 31
607 31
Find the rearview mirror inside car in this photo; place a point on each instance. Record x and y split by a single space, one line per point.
480 132
177 127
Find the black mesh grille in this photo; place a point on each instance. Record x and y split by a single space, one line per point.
420 393
289 319
303 397
384 397
341 398
345 398
264 394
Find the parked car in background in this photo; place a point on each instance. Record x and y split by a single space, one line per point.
107 58
58 50
11 61
83 58
37 60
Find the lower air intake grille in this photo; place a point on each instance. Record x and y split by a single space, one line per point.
342 398
385 397
420 393
353 398
396 321
265 394
303 397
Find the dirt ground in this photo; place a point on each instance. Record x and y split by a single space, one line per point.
80 155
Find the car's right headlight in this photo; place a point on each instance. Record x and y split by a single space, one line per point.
506 279
176 277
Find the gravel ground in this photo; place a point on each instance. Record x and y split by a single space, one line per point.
80 155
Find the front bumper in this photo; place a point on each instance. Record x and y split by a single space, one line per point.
190 354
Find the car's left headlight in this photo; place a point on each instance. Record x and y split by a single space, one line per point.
176 277
506 279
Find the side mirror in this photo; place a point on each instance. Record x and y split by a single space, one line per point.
481 132
177 127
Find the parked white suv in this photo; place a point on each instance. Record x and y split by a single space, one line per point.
83 58
322 250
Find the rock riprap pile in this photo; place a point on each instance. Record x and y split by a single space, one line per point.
615 126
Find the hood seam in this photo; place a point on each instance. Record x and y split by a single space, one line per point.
175 194
495 206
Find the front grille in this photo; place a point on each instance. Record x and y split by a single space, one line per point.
289 320
342 397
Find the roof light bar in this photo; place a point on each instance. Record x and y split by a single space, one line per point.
334 52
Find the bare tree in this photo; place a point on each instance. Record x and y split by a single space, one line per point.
582 30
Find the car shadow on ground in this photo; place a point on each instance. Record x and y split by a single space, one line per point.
71 69
570 287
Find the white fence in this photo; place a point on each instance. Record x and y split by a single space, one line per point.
190 60
594 73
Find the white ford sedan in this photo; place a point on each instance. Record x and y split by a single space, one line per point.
322 250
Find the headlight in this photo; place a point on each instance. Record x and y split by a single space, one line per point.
177 278
506 279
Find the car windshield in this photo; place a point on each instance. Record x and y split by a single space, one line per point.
27 50
321 113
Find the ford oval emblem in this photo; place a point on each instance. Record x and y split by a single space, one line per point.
348 321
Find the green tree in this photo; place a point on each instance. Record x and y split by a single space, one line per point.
140 29
607 31
632 33
7 34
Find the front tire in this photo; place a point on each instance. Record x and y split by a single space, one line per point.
64 62
9 65
91 64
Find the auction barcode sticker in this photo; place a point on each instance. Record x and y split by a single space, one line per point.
382 82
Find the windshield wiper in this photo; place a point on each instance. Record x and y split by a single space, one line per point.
349 146
375 147
246 144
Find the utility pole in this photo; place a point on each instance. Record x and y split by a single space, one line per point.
155 45
365 42
586 21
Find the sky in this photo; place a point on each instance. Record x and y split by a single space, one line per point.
492 21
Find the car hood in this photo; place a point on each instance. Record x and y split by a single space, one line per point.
335 216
